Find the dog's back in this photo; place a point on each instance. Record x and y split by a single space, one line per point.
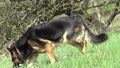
54 29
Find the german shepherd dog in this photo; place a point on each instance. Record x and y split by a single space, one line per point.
44 37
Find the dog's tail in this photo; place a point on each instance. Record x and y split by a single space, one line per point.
96 38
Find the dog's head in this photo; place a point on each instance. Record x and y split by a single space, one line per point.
16 57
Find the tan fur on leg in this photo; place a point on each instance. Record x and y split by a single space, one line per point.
84 46
50 51
44 40
79 45
48 48
36 46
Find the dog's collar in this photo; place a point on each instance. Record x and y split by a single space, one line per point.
18 51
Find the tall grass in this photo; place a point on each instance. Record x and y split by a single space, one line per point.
105 55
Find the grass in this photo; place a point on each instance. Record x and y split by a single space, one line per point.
105 55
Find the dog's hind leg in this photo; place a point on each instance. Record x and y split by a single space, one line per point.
79 45
84 46
49 47
64 38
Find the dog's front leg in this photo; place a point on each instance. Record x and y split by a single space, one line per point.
32 60
49 47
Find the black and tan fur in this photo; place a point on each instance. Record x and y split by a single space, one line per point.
44 37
